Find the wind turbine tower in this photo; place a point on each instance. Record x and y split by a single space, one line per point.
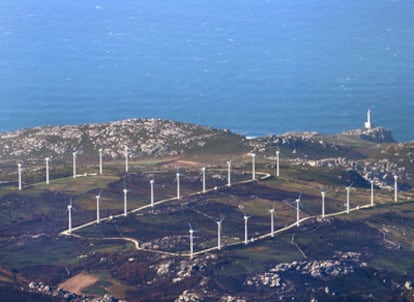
277 162
152 192
229 173
98 203
253 166
219 222
178 185
70 217
348 191
126 159
19 172
191 231
372 192
125 201
323 193
100 161
246 219
47 170
298 211
395 188
204 179
272 221
74 163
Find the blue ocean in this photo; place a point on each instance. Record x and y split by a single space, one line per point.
256 67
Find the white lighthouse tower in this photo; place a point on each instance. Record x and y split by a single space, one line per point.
368 124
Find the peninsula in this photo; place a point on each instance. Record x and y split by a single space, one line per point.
157 210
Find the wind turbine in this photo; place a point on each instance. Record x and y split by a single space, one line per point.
372 192
228 173
74 163
246 219
272 221
348 190
219 222
98 203
204 179
152 192
298 203
125 190
395 188
70 217
100 161
277 162
19 172
47 159
323 193
191 231
126 159
253 165
178 185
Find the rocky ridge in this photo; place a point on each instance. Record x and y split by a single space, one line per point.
144 137
376 135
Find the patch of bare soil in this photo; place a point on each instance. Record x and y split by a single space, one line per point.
77 283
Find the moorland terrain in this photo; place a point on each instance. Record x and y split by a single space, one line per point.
366 254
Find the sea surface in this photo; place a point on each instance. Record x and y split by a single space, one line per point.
256 67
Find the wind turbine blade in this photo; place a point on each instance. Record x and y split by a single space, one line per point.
189 225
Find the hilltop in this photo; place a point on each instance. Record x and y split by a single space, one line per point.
144 138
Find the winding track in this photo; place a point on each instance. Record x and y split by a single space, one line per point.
264 176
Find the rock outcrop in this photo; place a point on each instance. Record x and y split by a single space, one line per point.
144 137
375 135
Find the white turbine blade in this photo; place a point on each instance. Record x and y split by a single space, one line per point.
219 220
